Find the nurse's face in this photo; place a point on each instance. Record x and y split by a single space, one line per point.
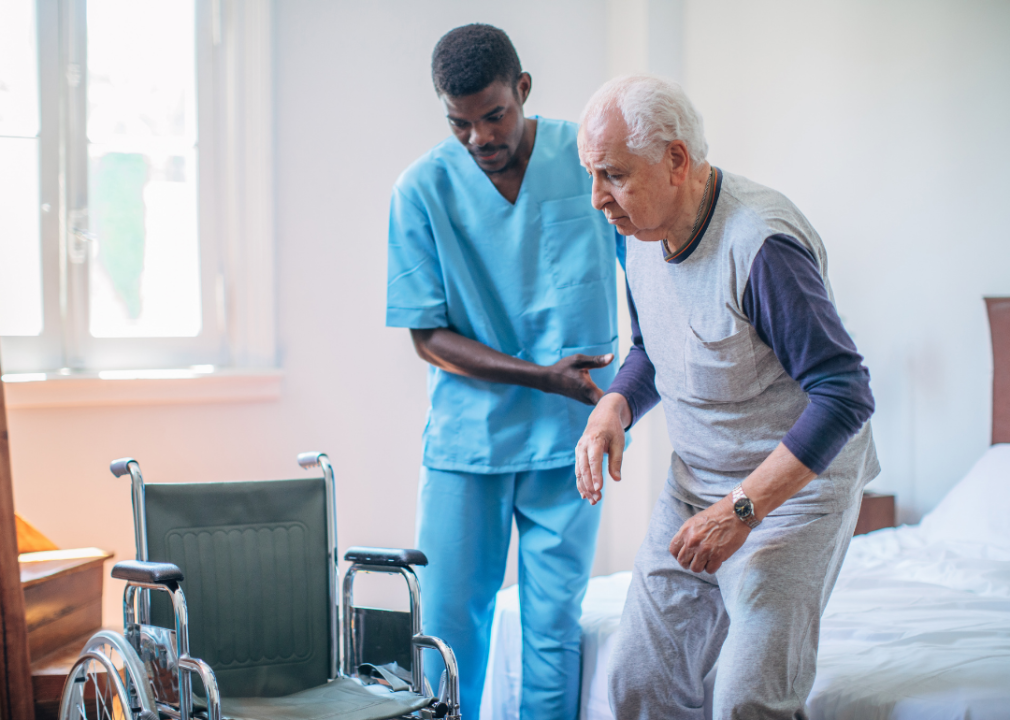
490 123
638 197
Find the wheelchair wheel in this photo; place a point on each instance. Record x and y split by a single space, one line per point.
108 682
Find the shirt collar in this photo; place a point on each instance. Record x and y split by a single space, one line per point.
685 252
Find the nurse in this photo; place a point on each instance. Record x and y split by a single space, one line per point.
505 276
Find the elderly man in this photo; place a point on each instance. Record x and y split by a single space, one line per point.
766 401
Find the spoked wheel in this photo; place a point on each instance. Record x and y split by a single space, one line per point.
108 682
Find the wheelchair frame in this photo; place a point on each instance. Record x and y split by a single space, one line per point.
143 576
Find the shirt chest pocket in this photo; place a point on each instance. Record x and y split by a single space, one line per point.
576 245
721 371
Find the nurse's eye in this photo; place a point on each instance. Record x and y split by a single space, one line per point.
495 118
458 123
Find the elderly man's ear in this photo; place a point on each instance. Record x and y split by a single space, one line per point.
679 161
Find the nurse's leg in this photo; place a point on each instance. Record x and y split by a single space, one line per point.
671 630
464 521
557 541
775 589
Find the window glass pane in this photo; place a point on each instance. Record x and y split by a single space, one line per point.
142 199
145 270
19 78
20 247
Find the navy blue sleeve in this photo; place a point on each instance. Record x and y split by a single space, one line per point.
787 302
636 380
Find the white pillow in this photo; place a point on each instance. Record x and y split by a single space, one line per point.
975 510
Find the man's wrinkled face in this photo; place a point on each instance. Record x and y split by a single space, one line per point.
489 123
636 196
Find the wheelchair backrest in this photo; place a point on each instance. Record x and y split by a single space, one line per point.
255 559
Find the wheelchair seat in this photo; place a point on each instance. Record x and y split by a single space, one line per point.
339 699
235 591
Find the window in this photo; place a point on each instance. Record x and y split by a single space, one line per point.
128 236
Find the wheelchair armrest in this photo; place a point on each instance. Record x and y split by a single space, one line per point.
152 573
393 557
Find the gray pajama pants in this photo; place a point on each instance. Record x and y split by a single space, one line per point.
758 615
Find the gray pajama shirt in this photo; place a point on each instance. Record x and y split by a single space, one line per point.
731 394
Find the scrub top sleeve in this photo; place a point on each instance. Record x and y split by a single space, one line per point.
415 290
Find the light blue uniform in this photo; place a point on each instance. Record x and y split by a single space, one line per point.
535 280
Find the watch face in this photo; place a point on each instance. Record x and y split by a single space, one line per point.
743 508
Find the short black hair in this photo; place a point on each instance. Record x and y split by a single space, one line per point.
469 58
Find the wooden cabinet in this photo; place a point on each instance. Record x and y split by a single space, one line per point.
63 600
876 512
63 608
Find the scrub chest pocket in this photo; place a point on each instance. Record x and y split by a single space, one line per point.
578 245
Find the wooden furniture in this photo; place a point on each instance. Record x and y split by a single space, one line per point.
49 674
999 327
15 672
63 600
63 608
875 512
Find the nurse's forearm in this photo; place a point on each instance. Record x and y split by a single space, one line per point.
454 353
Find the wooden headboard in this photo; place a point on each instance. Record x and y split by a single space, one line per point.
999 326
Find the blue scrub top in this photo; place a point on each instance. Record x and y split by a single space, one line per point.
536 280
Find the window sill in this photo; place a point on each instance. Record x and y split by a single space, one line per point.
141 387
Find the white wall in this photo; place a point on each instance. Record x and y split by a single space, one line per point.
354 106
886 123
887 127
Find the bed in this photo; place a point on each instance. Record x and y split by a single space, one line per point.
918 626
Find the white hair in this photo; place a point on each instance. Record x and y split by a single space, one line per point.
656 111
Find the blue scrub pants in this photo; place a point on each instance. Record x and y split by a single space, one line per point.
464 525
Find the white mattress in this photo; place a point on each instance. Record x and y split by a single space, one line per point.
918 627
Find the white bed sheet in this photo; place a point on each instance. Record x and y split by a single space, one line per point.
918 627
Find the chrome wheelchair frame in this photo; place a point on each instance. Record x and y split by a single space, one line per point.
157 667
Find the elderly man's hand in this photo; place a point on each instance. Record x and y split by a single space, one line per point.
604 435
708 539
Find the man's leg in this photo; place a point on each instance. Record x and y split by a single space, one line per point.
463 525
671 630
775 588
557 541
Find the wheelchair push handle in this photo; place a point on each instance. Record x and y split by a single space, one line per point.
311 459
121 466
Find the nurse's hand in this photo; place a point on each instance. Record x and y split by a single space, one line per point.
570 377
604 435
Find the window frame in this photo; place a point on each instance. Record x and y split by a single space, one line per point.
235 200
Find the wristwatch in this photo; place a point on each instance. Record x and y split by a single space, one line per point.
744 508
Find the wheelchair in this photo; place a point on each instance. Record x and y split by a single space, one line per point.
227 613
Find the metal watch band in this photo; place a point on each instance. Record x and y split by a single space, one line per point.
738 494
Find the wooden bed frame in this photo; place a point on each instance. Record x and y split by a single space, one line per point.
999 327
